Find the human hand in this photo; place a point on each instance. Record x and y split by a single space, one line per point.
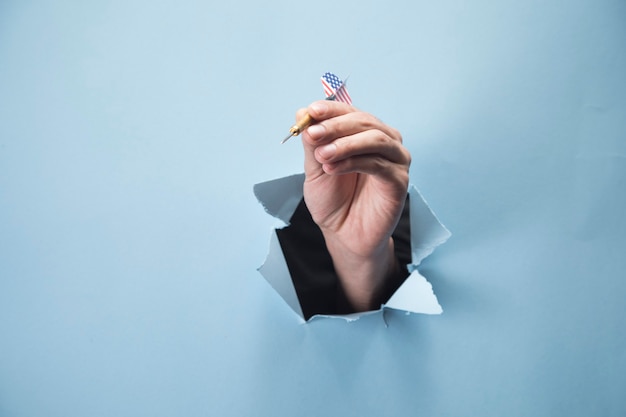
356 171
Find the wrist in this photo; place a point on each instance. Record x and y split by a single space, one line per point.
364 277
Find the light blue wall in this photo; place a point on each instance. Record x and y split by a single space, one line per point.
131 133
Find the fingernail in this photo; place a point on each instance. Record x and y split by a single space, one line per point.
327 151
316 131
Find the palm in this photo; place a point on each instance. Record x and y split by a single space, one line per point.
359 210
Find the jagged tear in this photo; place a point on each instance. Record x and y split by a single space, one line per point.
281 197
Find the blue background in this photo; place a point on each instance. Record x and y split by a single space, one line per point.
131 133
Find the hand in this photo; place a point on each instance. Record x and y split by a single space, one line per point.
357 174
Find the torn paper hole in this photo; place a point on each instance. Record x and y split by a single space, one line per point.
281 197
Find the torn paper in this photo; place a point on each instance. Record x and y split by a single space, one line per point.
281 197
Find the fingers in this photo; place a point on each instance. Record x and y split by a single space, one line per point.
345 140
327 109
336 119
369 142
366 153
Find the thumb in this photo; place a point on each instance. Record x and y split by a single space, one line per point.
312 168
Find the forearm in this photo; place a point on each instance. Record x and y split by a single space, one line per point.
364 279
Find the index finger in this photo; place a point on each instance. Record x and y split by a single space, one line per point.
326 109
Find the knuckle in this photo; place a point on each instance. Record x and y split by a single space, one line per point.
407 157
368 121
395 133
345 147
379 137
379 163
